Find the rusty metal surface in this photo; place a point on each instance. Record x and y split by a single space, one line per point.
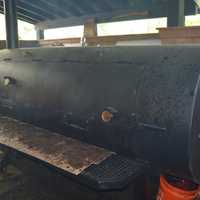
65 153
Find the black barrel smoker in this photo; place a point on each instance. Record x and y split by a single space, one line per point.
138 105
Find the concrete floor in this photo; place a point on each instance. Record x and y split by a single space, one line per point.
27 180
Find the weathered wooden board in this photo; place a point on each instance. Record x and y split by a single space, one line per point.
62 152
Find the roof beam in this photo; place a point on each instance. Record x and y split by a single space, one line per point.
82 6
101 6
41 7
102 17
30 12
27 18
105 5
64 13
91 6
61 12
71 9
22 16
40 11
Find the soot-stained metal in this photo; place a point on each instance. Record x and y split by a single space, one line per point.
151 95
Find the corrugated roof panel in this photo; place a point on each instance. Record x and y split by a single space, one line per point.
35 11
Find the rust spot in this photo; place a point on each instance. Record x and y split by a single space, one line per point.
106 116
62 152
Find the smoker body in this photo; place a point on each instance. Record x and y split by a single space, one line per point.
152 93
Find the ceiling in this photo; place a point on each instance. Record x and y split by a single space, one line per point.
74 11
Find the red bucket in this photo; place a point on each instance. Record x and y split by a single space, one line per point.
173 188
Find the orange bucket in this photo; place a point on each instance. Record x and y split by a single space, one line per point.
172 188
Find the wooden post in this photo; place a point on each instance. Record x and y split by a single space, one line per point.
40 34
90 28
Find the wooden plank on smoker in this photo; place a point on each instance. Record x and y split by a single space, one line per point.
180 35
99 40
59 151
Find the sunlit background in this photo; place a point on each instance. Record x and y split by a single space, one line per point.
27 31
